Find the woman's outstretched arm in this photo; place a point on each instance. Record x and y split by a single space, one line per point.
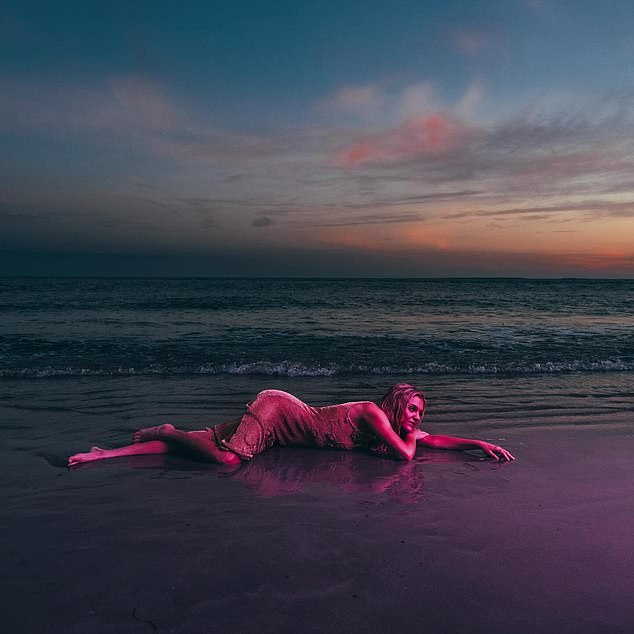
451 442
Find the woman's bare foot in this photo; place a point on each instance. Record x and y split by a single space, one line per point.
152 433
95 453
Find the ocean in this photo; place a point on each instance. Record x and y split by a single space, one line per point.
555 345
317 540
140 327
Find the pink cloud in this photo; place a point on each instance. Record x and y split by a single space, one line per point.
418 137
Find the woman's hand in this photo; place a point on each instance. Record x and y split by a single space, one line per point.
419 434
495 451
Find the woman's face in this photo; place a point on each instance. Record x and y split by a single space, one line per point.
413 414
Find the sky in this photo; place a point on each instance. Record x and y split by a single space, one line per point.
300 138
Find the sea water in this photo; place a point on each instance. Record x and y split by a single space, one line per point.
482 348
79 327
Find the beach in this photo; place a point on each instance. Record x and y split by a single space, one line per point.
315 540
312 540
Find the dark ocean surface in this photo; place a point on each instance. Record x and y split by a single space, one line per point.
497 352
112 327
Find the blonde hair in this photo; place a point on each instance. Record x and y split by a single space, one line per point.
396 399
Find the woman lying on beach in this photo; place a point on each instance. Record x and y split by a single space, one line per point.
277 418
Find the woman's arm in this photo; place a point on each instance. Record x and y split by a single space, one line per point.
450 442
372 417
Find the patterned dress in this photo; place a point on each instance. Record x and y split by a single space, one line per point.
276 418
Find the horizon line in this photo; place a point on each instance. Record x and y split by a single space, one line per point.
319 277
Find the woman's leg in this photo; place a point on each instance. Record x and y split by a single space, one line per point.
161 439
138 449
196 442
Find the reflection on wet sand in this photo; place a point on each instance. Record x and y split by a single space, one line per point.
291 471
286 473
280 472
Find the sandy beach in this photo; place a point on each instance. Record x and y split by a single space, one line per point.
311 541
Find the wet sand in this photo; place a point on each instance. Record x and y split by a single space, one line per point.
315 541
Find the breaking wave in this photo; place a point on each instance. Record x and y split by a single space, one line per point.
300 369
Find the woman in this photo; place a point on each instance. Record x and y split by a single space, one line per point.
278 418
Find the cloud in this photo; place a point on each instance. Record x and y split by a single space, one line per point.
416 138
415 100
130 111
382 103
413 124
262 221
142 102
388 104
366 219
418 199
118 104
585 150
202 205
470 100
361 100
587 208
